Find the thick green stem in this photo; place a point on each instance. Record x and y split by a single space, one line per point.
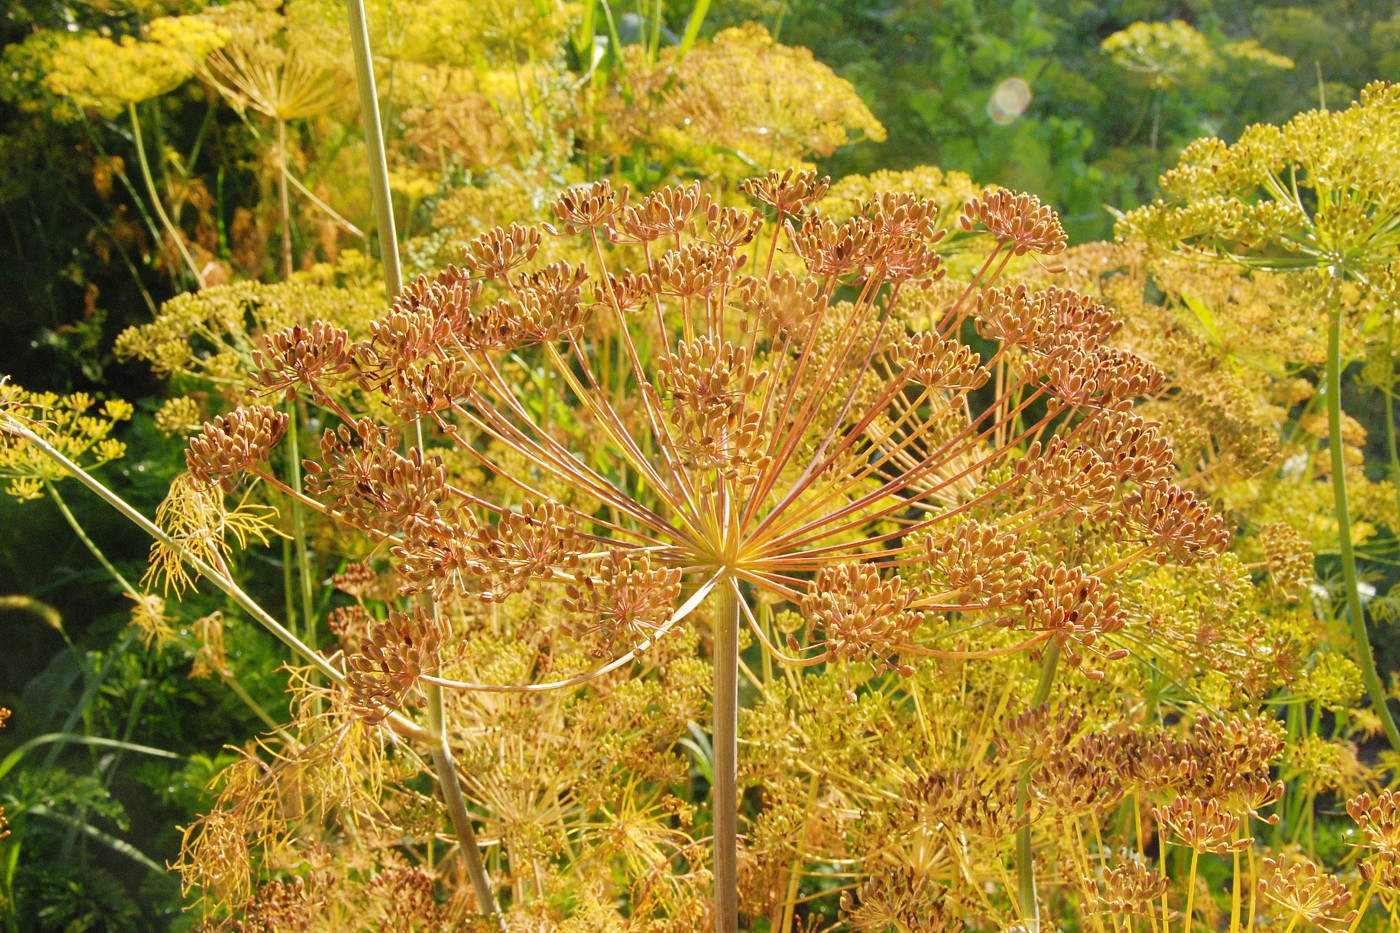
1356 616
451 786
175 235
374 144
1025 853
724 795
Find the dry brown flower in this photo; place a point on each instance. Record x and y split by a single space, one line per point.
391 658
1202 825
1305 891
1018 219
232 444
1129 888
860 615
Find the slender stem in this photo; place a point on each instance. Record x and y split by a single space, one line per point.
451 786
284 202
1191 892
1390 441
229 680
115 574
724 795
1025 854
303 555
155 196
1356 617
374 145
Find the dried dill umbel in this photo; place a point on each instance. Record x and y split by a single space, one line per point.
707 414
721 429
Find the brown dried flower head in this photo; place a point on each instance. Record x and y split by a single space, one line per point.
233 443
301 356
396 653
1203 825
858 614
1018 219
1305 891
620 600
788 191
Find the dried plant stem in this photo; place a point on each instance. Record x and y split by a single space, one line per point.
155 196
374 147
452 795
1356 616
1025 852
724 795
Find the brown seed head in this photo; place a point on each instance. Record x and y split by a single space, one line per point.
499 251
620 600
390 661
525 545
587 206
789 191
1305 891
301 356
1074 478
1203 825
983 565
1018 219
858 614
1076 607
1130 888
939 363
232 443
663 213
1171 520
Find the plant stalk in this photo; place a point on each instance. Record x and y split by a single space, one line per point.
374 146
1025 853
451 786
284 202
724 795
1356 616
155 197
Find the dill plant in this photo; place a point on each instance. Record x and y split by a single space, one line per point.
1313 202
683 434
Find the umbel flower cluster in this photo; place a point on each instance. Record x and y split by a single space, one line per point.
652 412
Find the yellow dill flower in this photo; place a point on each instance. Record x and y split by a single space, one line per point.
105 75
76 425
1164 55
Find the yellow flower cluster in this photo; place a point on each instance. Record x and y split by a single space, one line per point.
741 96
105 75
1167 56
1316 193
76 425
